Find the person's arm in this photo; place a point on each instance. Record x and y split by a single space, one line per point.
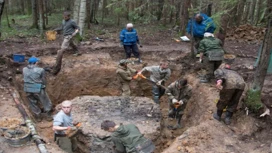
76 28
122 37
202 50
188 28
169 91
60 128
118 145
167 76
132 70
60 27
124 76
43 77
148 68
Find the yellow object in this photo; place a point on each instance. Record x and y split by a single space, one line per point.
51 35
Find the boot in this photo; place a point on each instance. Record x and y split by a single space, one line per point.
218 115
228 117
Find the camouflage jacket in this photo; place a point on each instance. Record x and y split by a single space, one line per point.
210 44
125 74
34 74
183 94
231 79
157 73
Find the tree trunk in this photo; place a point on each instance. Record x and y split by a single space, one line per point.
240 12
258 12
104 10
88 14
41 18
76 11
34 14
82 16
178 7
252 12
2 4
29 7
160 9
22 7
6 12
184 15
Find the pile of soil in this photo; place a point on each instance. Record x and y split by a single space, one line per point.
246 33
10 123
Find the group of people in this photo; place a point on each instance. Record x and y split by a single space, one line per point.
127 138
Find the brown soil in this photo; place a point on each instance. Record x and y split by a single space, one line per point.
93 73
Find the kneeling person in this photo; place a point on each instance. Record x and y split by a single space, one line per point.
179 92
127 138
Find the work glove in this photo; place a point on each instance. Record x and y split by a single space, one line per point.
73 128
174 101
181 102
159 82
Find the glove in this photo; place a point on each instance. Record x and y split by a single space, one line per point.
200 60
181 102
73 128
159 82
174 101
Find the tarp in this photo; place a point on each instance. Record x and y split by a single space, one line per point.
269 69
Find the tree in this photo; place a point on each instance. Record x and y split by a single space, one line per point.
76 10
41 17
34 14
82 16
2 4
253 100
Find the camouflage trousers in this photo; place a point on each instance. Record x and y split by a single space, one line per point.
210 66
229 98
125 89
67 144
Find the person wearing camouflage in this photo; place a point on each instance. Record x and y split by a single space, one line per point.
231 86
211 54
179 93
127 138
124 75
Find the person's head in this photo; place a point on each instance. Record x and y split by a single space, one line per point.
108 126
66 106
123 62
129 26
164 64
198 18
33 60
182 83
66 15
218 74
208 34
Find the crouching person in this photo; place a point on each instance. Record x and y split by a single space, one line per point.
179 93
127 138
64 126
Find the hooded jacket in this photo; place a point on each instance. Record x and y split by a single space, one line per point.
125 74
127 136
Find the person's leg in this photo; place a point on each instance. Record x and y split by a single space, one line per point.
75 48
225 96
209 70
118 145
125 89
64 46
232 105
161 90
135 51
47 104
156 94
127 50
65 144
33 104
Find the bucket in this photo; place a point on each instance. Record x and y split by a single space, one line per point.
229 58
18 58
51 35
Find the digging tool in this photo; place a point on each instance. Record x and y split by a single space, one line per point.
143 77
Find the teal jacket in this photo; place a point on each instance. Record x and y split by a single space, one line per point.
126 137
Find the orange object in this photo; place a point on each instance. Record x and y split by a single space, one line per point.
78 124
51 35
176 105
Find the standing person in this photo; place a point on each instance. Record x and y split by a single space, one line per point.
129 39
70 29
63 122
179 93
201 24
34 86
127 138
124 74
231 86
159 74
211 54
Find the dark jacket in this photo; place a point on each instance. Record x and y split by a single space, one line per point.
126 137
125 74
68 27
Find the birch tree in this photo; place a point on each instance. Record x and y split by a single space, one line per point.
76 10
82 16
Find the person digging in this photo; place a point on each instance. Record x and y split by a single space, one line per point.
179 93
231 86
127 138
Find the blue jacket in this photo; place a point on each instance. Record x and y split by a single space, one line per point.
129 37
207 25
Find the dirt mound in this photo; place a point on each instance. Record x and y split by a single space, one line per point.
246 33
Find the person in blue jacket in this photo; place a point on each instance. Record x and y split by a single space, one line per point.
201 24
129 39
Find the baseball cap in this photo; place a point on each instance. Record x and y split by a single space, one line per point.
33 59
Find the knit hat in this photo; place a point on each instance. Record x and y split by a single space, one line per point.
129 25
208 34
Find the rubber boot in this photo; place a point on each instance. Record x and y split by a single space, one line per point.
228 117
218 115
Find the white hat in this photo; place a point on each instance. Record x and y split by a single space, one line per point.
208 34
66 103
129 25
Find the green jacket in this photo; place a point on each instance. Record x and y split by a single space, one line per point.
124 74
210 44
126 137
183 94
